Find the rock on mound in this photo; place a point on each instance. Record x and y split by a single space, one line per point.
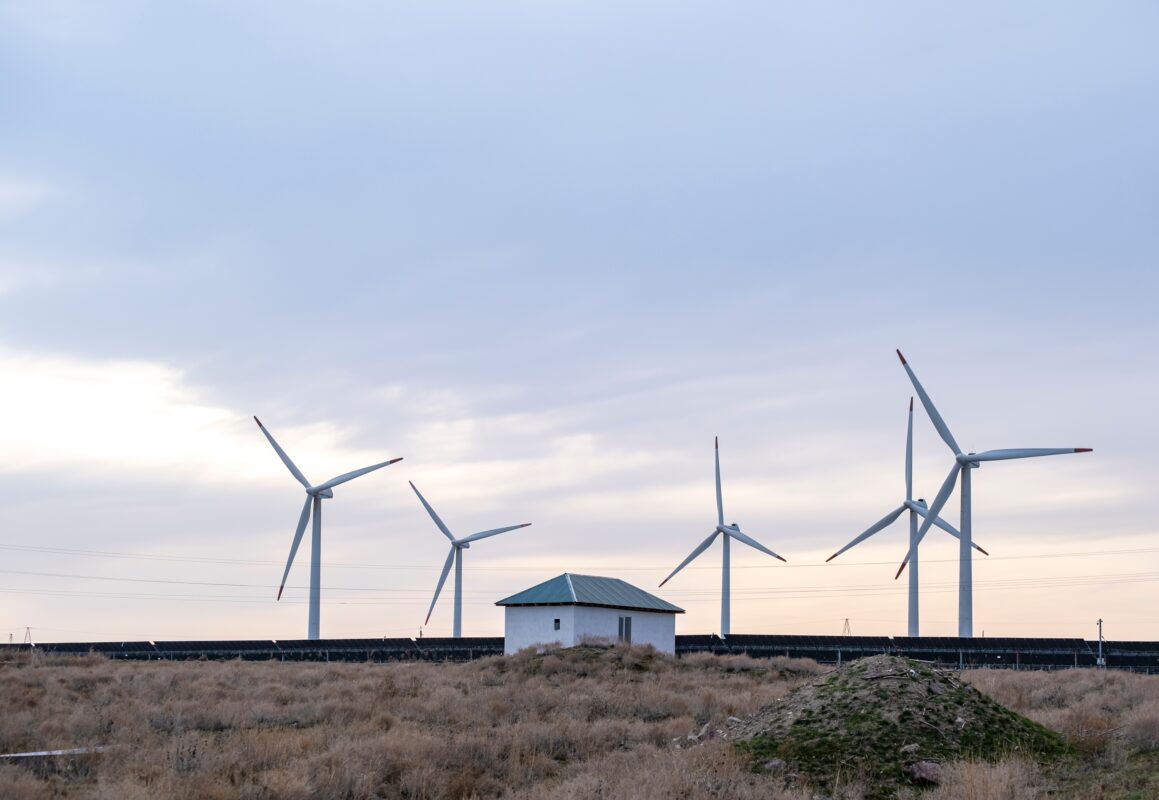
887 722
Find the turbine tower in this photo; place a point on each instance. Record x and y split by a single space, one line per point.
963 463
456 555
314 496
732 531
917 508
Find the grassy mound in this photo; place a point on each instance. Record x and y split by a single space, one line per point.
886 722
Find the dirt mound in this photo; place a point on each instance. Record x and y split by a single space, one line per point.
886 722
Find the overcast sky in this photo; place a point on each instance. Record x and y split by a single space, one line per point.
546 252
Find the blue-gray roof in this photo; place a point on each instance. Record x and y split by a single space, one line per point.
589 590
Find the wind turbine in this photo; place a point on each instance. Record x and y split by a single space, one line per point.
314 496
732 531
456 555
963 463
917 508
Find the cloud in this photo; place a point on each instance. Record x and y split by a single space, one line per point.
139 420
18 196
65 22
14 278
19 275
144 418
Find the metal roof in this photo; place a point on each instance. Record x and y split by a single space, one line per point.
589 590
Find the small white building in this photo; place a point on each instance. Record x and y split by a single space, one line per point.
570 608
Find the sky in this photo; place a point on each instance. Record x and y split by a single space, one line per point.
546 252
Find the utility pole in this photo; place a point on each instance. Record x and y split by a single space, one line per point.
845 631
28 635
1100 662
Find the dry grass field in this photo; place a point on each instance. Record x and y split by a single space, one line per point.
586 723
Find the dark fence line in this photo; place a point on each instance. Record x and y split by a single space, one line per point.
950 652
975 653
426 649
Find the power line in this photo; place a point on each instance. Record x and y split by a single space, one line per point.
401 596
173 581
1059 580
516 568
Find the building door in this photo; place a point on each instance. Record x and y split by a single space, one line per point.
626 630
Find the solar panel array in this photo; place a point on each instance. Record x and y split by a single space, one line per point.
110 649
436 649
949 651
1150 648
989 643
998 651
1138 655
818 648
876 643
696 643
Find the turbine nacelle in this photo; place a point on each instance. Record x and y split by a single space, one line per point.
327 493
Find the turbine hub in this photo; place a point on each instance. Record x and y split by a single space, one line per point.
324 493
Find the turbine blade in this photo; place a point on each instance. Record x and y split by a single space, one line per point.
741 536
442 580
935 417
431 511
920 508
349 476
699 549
719 498
297 541
884 522
1025 452
474 537
297 473
909 453
932 514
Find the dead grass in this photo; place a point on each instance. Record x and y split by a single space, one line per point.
581 723
1102 713
1109 718
532 724
975 780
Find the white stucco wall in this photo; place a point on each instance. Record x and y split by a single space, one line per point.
524 626
648 627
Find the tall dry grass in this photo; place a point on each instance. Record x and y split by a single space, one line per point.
1110 719
1012 779
1104 714
564 724
527 726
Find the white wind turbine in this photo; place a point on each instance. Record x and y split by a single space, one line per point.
314 496
732 531
917 508
963 463
456 555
